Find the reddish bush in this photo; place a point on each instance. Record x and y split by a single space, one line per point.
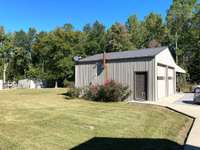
110 91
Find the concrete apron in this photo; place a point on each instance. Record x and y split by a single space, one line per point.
175 103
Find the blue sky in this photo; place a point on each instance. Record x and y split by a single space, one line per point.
48 14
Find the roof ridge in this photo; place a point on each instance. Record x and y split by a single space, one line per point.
119 55
164 47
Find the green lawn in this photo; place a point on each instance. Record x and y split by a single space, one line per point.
44 119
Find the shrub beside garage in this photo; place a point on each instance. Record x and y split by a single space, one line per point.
110 91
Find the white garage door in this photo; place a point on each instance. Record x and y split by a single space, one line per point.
170 81
161 80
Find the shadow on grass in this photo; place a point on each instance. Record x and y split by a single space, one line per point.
101 143
66 96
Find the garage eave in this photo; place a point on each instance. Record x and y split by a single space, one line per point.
179 69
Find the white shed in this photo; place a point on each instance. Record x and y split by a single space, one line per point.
30 84
150 73
1 84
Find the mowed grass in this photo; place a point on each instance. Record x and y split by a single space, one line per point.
45 120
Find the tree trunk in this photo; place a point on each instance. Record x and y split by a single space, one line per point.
43 66
56 84
4 72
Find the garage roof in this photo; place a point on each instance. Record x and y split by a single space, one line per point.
147 52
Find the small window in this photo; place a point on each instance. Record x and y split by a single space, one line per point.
170 78
99 68
160 78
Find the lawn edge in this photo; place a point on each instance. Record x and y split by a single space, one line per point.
182 113
193 121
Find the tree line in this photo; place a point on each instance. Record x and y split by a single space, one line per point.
49 55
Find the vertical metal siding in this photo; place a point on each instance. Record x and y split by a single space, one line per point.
122 71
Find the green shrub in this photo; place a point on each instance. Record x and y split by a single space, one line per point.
186 87
182 83
111 91
73 93
68 84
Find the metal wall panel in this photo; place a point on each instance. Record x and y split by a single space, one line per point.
122 71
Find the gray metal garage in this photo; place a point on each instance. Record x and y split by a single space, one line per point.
150 73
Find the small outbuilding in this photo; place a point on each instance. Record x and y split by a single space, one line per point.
30 84
150 73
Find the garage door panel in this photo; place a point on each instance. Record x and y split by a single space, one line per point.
171 81
170 72
161 88
161 71
161 81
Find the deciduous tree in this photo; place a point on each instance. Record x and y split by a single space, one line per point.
118 38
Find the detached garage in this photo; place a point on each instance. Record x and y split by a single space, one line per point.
150 73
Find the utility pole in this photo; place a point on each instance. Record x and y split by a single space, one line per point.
176 46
